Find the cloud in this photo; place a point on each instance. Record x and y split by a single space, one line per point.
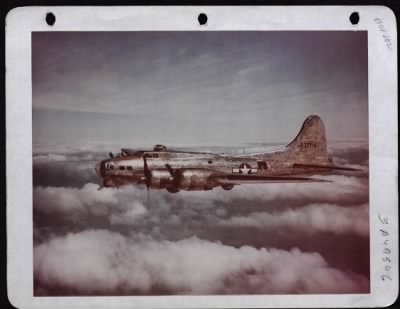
65 169
132 214
340 190
350 152
101 262
49 158
123 244
73 201
270 205
324 201
310 219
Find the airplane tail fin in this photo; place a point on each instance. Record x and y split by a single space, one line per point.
310 143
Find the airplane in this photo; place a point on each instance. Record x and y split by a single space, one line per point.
175 170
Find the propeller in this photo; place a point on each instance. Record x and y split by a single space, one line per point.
170 170
175 174
147 175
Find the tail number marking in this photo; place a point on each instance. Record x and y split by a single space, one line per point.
308 145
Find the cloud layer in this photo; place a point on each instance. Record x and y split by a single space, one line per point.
273 238
105 262
127 205
310 219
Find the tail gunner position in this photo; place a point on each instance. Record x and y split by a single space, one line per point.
174 171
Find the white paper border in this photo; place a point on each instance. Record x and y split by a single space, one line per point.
383 156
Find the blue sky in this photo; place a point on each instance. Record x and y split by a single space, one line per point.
141 88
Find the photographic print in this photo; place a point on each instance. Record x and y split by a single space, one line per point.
200 163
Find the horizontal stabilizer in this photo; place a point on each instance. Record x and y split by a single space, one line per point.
326 167
243 179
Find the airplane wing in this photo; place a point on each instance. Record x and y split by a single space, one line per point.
248 179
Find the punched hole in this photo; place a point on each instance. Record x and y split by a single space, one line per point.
202 19
50 19
354 18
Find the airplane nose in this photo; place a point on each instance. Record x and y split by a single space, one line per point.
99 169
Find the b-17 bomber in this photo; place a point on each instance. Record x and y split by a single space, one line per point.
175 170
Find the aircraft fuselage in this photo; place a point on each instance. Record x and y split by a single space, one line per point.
181 170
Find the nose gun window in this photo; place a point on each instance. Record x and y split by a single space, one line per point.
109 166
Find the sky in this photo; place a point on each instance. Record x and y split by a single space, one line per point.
192 88
219 91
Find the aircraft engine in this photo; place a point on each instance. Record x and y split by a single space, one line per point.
160 179
188 179
192 180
